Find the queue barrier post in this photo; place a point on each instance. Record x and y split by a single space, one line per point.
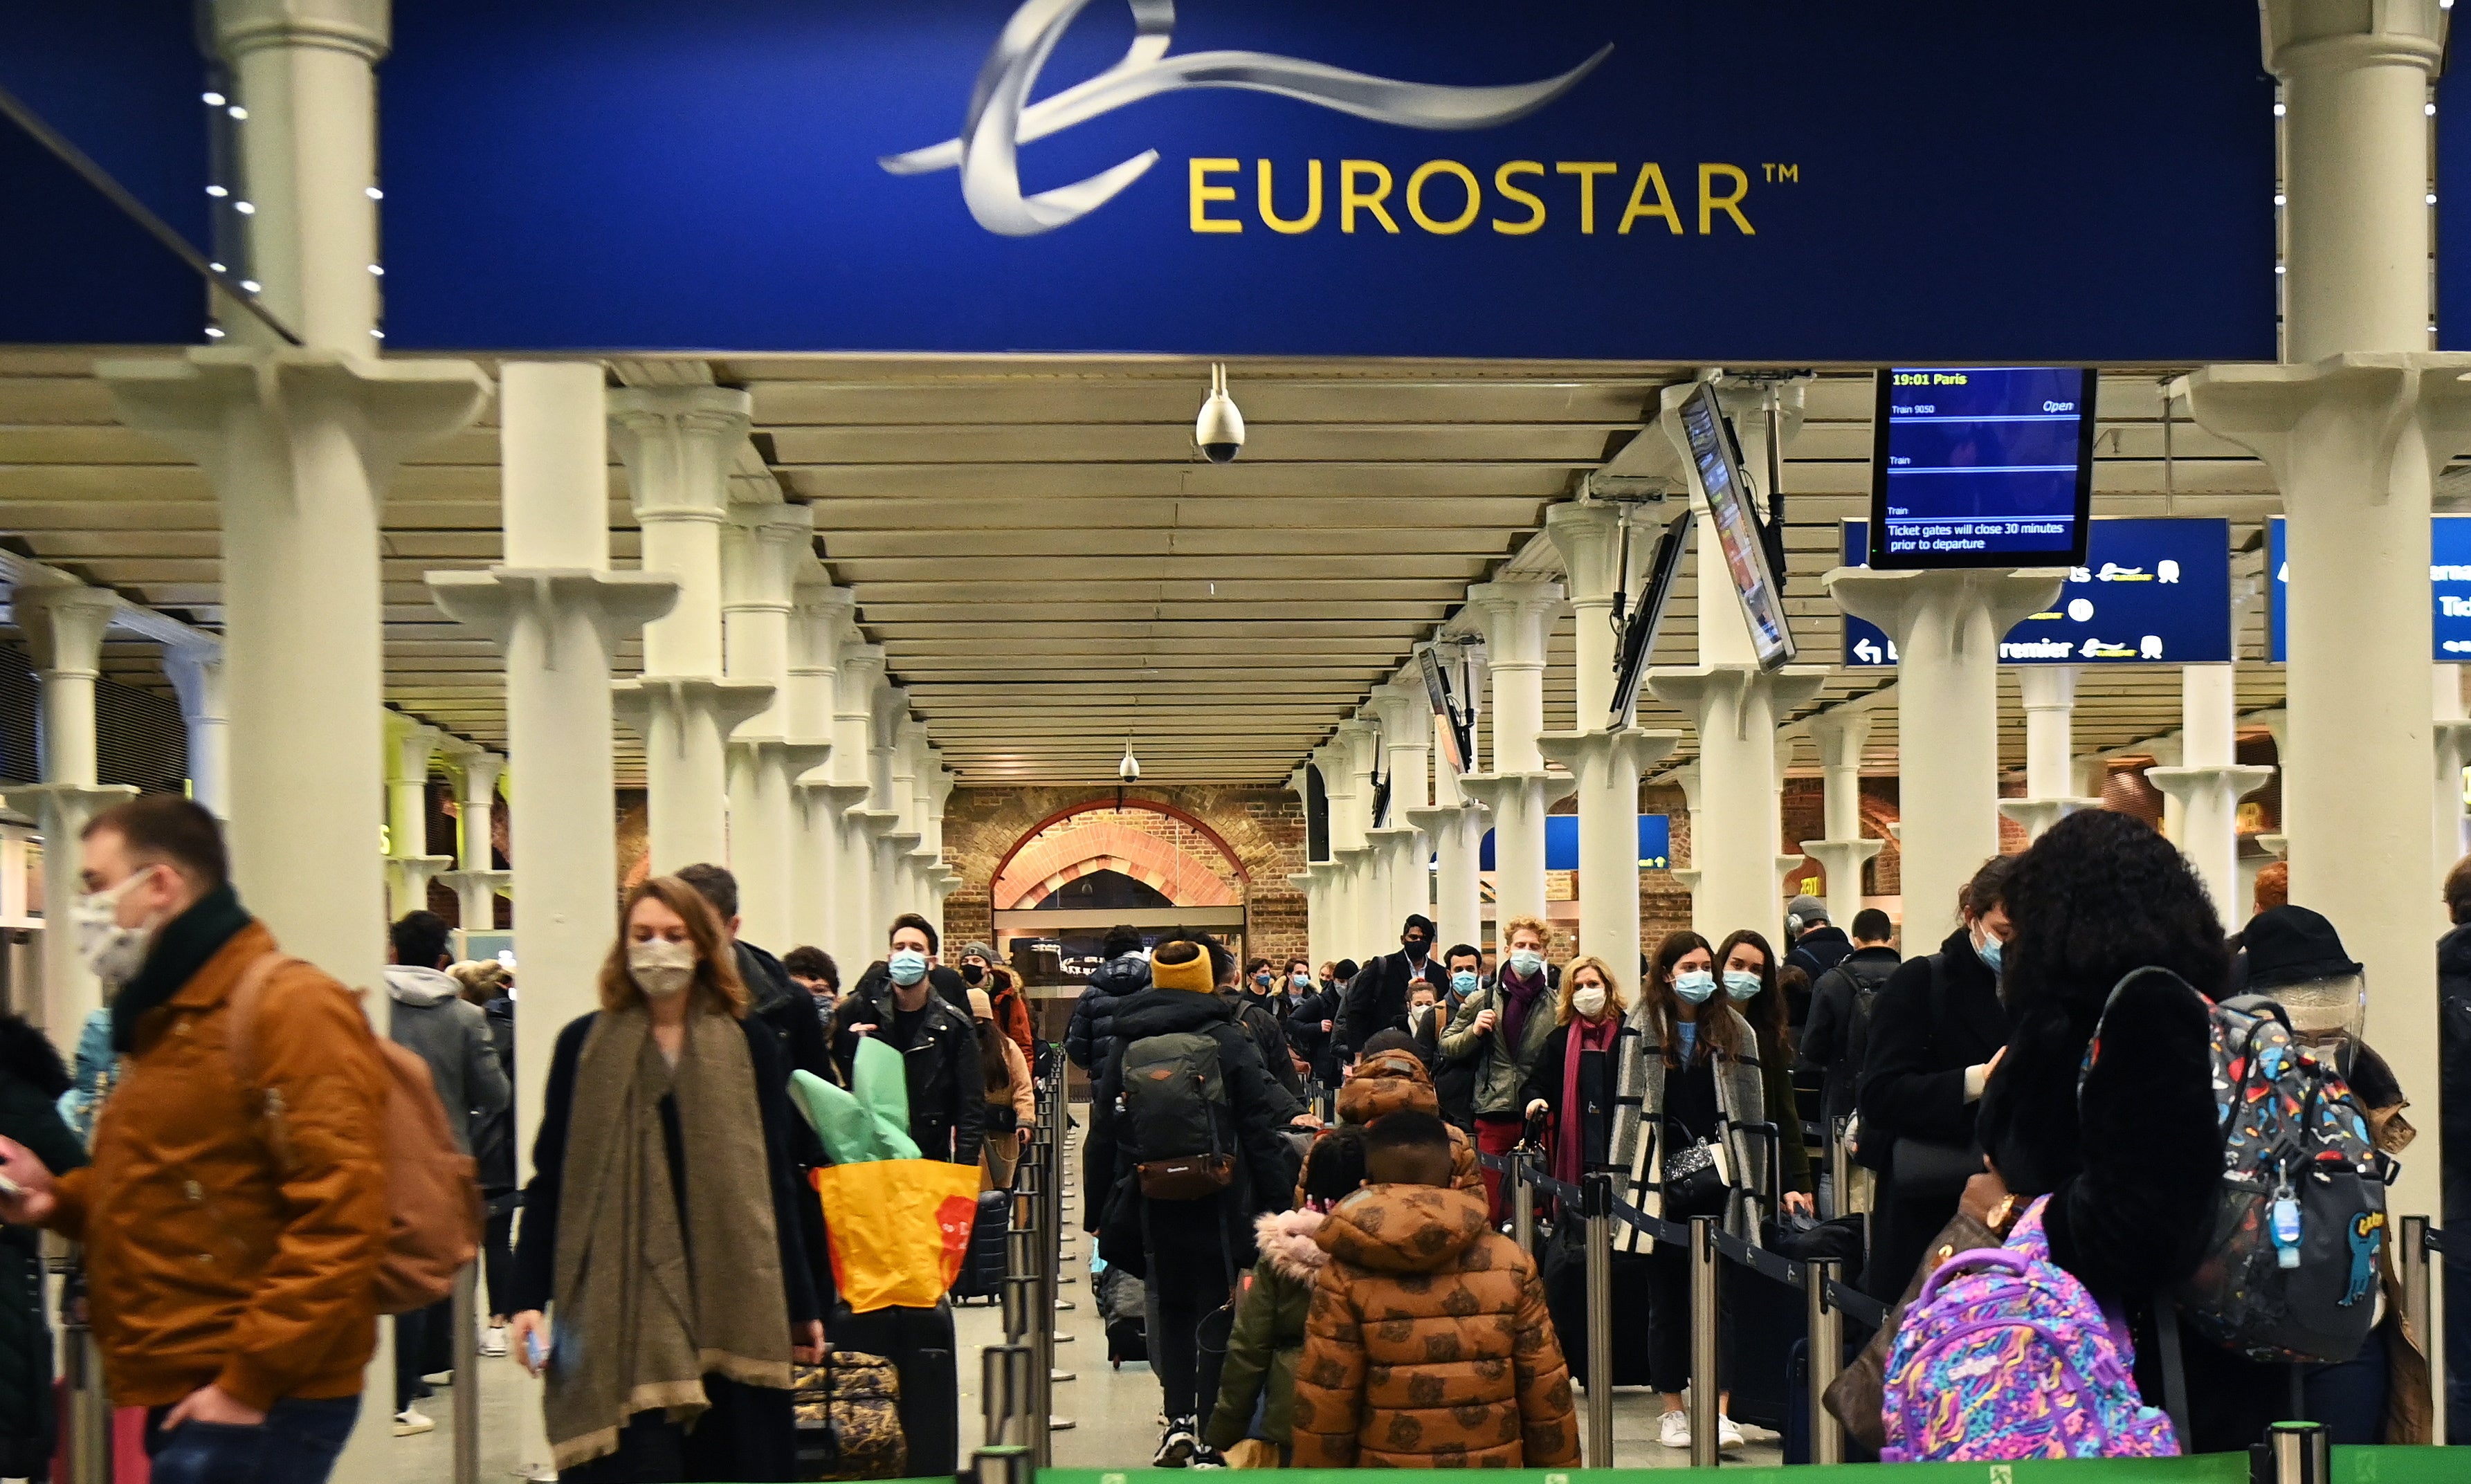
1011 1465
1522 1200
89 1409
1839 1171
2416 1306
1826 1329
1706 1392
1005 1390
2294 1453
1596 1210
467 1375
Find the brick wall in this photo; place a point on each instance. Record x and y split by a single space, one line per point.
1263 827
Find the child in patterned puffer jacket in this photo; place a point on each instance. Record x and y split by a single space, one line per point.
1427 1344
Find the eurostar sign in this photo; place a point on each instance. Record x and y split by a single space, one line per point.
1800 181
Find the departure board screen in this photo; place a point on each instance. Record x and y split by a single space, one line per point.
1981 466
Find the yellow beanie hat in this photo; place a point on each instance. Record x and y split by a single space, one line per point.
1191 974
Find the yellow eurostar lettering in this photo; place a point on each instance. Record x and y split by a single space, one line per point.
1535 204
1291 225
1650 174
1587 171
1416 196
1350 198
1730 205
1203 193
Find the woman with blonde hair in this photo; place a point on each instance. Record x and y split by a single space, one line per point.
1587 1017
660 1225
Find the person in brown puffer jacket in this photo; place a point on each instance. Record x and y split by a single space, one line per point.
1427 1344
1389 1079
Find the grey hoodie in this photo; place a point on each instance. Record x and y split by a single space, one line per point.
429 1018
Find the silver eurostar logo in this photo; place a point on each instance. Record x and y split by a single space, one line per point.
1001 119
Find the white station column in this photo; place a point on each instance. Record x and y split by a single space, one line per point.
476 771
863 920
678 443
1841 734
1455 825
819 617
914 771
298 442
410 745
896 835
64 625
1407 857
1606 753
762 546
1338 799
196 672
2452 755
2050 699
942 880
1947 627
2355 425
1736 836
557 612
1368 884
1519 792
2209 783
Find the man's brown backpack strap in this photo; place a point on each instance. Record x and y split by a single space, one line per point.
433 1199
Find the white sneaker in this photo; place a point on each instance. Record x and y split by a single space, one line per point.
438 1379
493 1340
410 1420
1674 1431
1727 1434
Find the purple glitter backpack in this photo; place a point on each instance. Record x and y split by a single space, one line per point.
2004 1354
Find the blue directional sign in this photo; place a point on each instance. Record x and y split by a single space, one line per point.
1562 843
2151 592
2449 585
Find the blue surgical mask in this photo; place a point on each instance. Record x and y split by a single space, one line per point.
1300 981
1697 986
907 966
1989 951
1263 978
1741 984
1463 982
1526 962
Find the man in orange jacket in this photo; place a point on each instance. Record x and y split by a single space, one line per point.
232 1229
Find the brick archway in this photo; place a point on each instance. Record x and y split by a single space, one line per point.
1056 850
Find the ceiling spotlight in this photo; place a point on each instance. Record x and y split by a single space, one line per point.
1219 430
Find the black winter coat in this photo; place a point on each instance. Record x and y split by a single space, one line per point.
1912 1087
1259 1014
2133 1186
790 1010
1319 1048
493 1139
1821 949
1265 1169
1090 1036
1377 998
2454 1083
948 1090
1454 1077
27 1429
1835 1042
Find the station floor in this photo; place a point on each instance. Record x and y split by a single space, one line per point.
1114 1412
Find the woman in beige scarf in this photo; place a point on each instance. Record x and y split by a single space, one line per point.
661 1226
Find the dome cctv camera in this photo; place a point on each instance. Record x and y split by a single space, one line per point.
1219 430
1130 769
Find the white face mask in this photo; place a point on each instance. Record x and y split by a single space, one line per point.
1588 999
661 968
111 953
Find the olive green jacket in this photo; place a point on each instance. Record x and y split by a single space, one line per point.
1502 1069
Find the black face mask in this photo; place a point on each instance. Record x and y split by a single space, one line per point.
971 974
1415 947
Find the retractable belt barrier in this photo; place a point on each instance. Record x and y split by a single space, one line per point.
2342 1465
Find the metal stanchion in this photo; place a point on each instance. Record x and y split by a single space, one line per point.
467 1375
1706 1392
1040 1317
1597 1191
1840 1169
2416 1304
1005 1390
89 1408
2299 1453
1002 1465
1522 1201
1827 1330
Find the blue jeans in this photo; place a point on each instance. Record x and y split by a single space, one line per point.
297 1444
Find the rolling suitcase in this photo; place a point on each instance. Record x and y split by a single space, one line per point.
1123 1302
1563 1268
919 1344
983 1263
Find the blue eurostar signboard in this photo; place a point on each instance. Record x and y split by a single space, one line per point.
1562 843
2449 587
1935 182
2151 592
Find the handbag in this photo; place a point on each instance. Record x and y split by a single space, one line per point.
1694 1177
1923 1170
849 1418
1859 1392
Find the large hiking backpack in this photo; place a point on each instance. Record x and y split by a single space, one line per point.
1175 1112
2296 1153
2005 1354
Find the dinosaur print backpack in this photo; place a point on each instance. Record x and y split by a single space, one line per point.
2004 1354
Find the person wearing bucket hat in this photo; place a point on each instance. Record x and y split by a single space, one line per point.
981 970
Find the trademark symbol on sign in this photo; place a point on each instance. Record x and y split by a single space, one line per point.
1778 173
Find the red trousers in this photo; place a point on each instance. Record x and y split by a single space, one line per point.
1496 1134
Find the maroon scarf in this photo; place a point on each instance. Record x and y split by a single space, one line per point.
1567 1164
